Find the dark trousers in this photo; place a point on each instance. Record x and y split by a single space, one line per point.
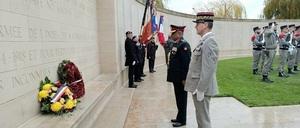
181 101
142 66
130 75
137 72
151 64
167 56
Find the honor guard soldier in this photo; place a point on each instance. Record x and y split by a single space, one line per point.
292 49
283 50
297 39
271 39
263 57
179 61
257 43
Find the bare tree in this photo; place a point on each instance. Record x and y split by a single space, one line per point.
228 9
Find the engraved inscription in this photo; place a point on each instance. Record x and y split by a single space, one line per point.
27 78
7 31
33 33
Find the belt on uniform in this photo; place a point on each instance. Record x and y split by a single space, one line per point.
270 48
283 48
257 49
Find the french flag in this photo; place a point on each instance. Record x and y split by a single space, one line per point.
160 34
153 24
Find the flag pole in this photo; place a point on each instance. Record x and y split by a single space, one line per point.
144 16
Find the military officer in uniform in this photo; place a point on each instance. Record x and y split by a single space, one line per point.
257 48
271 38
283 50
297 38
201 80
177 70
131 58
151 53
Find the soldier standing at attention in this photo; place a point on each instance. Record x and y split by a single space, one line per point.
137 67
257 48
271 45
283 50
201 79
297 38
151 51
143 52
131 58
180 57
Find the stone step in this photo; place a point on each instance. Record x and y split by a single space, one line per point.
115 112
98 93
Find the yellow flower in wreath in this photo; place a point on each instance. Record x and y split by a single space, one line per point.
69 104
57 106
43 94
47 87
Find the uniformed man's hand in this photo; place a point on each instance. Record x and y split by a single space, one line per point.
133 63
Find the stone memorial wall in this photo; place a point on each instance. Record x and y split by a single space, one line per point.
36 35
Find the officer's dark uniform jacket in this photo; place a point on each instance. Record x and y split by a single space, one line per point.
139 51
151 50
180 58
130 50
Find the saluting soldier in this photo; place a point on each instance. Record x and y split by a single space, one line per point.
263 57
257 48
297 38
283 50
180 57
201 79
292 49
271 38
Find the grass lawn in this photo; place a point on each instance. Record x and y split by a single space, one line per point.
235 79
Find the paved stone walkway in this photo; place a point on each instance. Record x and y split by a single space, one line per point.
153 105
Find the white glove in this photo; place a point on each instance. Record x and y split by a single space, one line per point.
133 63
199 94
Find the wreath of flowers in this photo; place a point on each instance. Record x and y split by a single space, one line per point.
61 96
55 97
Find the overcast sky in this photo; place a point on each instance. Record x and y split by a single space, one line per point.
253 7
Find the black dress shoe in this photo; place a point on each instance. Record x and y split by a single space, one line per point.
178 124
143 75
137 81
132 86
174 120
141 79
